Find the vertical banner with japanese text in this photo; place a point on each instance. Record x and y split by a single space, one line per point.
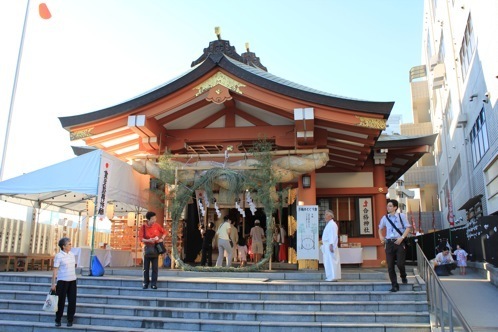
307 232
365 213
104 175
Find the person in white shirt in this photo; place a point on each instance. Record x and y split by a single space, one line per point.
397 229
330 248
445 263
223 234
65 275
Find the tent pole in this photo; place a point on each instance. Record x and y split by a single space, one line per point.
93 235
135 256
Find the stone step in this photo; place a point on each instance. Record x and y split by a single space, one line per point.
347 274
18 290
234 306
198 301
17 326
95 322
250 284
242 314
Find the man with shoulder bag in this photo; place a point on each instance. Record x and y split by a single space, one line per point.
397 229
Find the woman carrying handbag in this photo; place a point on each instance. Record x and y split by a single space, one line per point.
65 274
150 234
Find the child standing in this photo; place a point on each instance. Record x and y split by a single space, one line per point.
242 248
461 256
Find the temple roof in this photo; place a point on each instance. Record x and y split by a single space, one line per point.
233 64
231 100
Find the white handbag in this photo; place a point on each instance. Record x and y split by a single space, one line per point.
51 302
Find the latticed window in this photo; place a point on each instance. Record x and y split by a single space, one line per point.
479 138
346 214
468 47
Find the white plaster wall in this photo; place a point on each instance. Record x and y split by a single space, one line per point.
369 253
344 180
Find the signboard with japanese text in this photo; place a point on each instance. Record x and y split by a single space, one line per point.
307 232
365 213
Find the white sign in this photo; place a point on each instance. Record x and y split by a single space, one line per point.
307 232
366 221
104 175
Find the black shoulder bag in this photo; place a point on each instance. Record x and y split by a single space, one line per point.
407 243
149 250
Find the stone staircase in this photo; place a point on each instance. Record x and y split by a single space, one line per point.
202 301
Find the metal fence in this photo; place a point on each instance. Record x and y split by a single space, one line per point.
445 315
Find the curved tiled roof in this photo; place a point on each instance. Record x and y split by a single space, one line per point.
250 74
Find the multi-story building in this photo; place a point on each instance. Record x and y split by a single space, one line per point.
454 94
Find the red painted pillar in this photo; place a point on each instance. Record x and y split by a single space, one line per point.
380 202
307 195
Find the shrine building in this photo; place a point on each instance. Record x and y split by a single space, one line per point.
330 150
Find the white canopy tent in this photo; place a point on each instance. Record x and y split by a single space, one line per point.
67 186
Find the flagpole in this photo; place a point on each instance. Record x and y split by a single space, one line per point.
14 89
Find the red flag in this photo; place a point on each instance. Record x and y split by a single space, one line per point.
450 216
44 12
433 216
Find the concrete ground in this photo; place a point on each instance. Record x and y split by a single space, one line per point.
475 297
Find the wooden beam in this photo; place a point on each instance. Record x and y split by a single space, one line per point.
252 119
109 137
210 119
233 134
184 111
240 154
113 148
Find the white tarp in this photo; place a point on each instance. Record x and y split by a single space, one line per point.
67 186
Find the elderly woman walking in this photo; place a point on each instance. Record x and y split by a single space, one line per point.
65 275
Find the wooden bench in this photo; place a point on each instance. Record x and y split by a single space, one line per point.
16 259
41 261
22 262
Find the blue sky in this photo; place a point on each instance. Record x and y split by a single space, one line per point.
94 54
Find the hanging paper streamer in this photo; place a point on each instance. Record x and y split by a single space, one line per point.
217 209
201 207
250 202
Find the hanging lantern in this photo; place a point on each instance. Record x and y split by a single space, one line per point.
90 208
109 213
131 219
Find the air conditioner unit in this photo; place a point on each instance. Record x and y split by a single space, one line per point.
434 61
439 73
462 119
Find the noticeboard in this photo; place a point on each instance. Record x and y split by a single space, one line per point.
307 232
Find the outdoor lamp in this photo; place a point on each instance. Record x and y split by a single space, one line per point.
306 179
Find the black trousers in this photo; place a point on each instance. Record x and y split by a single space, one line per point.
148 261
63 289
395 254
445 269
207 256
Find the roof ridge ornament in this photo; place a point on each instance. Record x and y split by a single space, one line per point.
218 46
252 60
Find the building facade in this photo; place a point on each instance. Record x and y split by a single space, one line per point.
454 94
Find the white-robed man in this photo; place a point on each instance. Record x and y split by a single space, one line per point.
330 249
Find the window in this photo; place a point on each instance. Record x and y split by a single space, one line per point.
468 47
442 52
479 138
448 113
428 49
455 173
345 211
